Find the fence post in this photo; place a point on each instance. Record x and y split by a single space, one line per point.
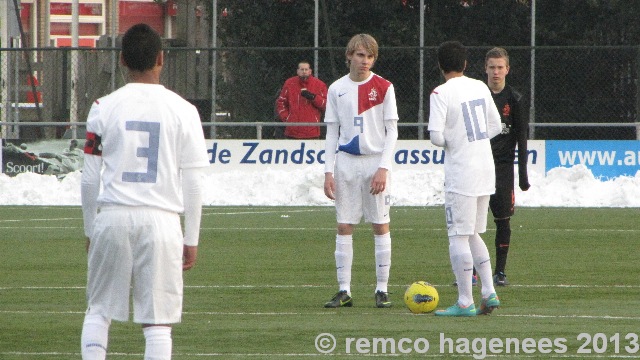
637 95
15 86
4 91
213 117
73 105
532 101
421 80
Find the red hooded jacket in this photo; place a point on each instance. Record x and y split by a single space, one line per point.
291 106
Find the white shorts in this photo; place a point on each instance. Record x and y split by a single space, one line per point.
139 247
466 215
353 174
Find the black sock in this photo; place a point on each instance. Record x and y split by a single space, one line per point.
503 237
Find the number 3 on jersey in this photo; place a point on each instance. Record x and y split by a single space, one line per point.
472 122
151 152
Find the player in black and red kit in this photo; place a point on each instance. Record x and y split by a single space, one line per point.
515 129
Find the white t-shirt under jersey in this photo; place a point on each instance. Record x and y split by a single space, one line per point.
361 109
147 134
463 110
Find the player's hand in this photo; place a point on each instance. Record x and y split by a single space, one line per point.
308 94
379 181
189 254
329 186
524 184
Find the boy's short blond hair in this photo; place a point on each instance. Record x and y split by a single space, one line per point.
497 53
365 41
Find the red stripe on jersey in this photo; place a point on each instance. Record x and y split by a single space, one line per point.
93 145
372 93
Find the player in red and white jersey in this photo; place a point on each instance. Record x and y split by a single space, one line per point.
361 119
361 108
462 119
145 149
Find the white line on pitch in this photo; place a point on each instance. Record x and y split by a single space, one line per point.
332 312
299 286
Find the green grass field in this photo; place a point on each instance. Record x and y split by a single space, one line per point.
263 274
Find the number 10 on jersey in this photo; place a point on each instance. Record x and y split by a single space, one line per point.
474 120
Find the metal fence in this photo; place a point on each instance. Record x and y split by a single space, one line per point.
572 92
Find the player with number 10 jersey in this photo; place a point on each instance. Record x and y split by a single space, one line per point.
467 128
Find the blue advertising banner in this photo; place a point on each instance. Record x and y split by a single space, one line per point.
605 158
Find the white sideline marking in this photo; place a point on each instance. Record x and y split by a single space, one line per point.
255 228
330 312
592 317
275 355
242 211
47 219
311 286
204 212
41 228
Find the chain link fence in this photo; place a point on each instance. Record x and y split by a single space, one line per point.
572 92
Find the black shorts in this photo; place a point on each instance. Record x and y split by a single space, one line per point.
502 202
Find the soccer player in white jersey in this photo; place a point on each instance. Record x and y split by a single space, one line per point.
462 119
143 158
362 125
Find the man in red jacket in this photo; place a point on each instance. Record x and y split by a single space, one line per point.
303 98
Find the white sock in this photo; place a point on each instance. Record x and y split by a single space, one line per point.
462 265
344 259
157 343
383 260
482 262
95 337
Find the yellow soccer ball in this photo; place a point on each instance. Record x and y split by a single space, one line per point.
421 297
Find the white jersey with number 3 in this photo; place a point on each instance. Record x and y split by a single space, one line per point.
360 108
147 135
464 111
